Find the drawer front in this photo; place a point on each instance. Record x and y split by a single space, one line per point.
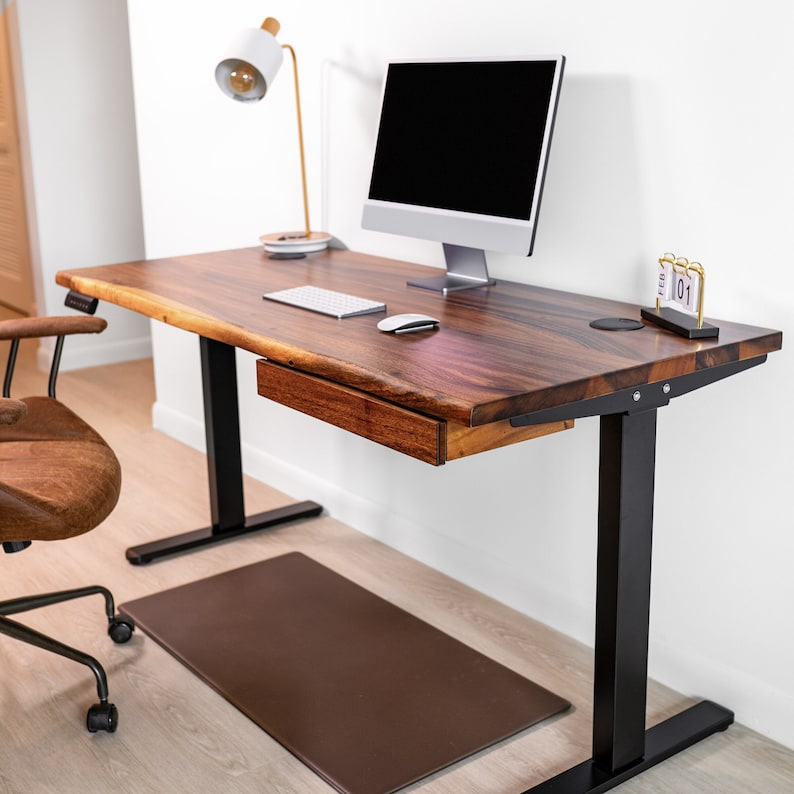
413 434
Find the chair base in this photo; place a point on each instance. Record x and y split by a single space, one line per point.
103 715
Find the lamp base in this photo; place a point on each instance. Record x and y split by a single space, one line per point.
295 243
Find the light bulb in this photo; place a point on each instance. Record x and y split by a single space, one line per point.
244 79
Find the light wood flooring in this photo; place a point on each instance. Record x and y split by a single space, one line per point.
177 735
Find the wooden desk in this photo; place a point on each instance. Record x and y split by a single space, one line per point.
508 363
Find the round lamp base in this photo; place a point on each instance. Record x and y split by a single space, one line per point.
295 242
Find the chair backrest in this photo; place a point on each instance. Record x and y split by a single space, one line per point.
58 476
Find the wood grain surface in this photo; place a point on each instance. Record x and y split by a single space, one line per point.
499 352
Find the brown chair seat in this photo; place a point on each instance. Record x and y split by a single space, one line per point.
58 477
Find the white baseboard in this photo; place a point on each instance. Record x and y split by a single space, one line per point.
756 704
178 425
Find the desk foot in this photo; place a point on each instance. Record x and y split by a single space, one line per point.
140 555
661 742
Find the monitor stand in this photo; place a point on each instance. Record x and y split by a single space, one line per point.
466 269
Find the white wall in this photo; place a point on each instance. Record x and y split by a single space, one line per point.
79 143
674 133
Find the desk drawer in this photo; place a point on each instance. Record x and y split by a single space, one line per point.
423 437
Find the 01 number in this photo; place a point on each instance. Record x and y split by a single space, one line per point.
685 291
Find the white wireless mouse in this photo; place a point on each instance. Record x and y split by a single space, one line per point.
404 323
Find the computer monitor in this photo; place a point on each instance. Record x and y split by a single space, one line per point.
461 156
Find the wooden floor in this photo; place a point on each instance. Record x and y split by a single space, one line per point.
178 735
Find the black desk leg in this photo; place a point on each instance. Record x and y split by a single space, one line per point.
224 466
622 748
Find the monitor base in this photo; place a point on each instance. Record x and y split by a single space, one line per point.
466 269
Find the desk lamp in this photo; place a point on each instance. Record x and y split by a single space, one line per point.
246 74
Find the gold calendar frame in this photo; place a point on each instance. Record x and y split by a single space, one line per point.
682 322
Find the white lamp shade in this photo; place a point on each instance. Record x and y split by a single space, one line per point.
253 47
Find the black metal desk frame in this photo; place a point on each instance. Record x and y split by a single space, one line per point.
224 467
622 747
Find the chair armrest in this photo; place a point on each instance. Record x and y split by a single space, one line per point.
11 411
33 327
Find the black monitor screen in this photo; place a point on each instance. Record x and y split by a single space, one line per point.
465 136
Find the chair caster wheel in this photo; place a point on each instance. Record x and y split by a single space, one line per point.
120 629
102 717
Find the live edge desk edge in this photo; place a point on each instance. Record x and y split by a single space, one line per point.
519 358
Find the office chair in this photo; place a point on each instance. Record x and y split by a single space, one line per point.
58 479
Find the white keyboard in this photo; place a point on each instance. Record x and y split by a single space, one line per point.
326 301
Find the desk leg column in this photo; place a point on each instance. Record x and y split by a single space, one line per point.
622 748
625 529
224 466
222 432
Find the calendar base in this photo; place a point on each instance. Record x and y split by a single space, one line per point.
680 323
